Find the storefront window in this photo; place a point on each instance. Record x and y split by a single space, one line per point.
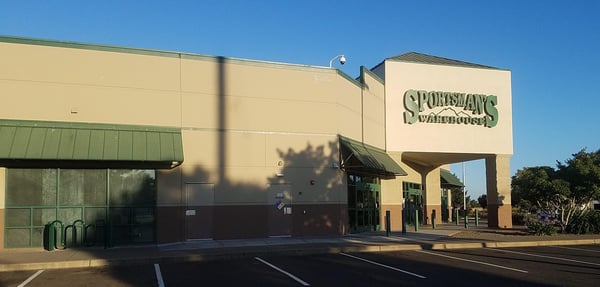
35 197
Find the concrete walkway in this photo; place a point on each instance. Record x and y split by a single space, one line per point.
199 250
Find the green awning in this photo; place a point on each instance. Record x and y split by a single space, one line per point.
63 141
449 179
369 159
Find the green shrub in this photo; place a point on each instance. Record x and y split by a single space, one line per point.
540 228
584 222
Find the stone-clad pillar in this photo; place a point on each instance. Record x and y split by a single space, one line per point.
498 191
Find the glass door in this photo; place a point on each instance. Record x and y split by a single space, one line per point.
363 203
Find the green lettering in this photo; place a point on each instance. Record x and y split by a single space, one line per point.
469 105
460 100
412 108
422 99
491 118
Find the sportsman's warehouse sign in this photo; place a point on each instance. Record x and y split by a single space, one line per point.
434 107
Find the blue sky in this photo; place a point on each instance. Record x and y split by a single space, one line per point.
551 47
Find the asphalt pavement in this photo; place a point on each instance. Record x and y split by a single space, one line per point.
426 238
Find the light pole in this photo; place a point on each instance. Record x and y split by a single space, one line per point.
464 194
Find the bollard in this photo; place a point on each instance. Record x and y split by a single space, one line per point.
466 219
388 230
433 218
417 220
403 221
49 236
456 216
476 218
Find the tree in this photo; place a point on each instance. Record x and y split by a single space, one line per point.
482 199
457 198
563 191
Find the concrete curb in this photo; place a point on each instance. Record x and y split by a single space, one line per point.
244 252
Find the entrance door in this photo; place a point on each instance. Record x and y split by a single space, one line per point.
280 209
199 199
413 206
363 207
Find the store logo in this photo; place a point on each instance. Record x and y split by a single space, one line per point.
450 108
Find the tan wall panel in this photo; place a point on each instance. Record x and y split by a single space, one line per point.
391 191
433 188
199 111
395 216
349 110
374 111
282 82
64 102
88 67
243 113
302 150
200 147
349 123
200 76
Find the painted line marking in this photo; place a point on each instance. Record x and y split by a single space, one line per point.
30 278
383 265
551 257
283 271
159 278
474 261
578 249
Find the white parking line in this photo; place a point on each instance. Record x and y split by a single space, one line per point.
383 265
30 278
578 249
473 261
550 257
159 278
283 271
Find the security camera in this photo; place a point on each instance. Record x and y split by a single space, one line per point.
342 60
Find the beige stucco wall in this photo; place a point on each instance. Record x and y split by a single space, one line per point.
83 85
373 110
449 138
239 118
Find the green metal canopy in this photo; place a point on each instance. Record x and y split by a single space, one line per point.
449 179
22 141
370 159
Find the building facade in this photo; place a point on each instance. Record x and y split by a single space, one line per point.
125 145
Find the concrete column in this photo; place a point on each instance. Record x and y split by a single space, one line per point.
449 206
432 198
391 199
498 191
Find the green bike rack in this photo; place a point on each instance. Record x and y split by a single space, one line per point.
50 235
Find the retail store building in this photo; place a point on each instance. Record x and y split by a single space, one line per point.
143 146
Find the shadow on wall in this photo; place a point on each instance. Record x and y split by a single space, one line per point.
314 202
319 198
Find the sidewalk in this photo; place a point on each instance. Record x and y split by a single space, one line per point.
443 237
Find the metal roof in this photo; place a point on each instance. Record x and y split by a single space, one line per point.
415 57
58 141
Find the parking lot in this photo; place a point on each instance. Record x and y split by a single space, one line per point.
532 266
